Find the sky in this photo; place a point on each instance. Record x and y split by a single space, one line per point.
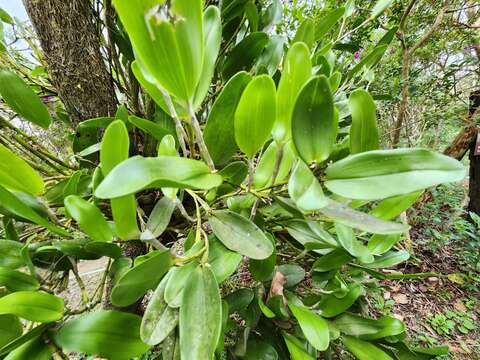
14 8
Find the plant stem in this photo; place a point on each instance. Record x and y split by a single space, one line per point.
181 134
199 137
278 162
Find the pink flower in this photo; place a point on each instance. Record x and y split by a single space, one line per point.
357 54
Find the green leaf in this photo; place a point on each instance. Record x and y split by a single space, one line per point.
384 173
89 218
212 31
265 168
109 334
33 306
271 56
17 206
159 218
334 80
313 326
115 148
347 239
5 17
149 127
255 114
21 98
331 306
326 23
305 190
145 276
369 61
17 281
380 244
262 270
240 234
159 318
293 274
29 335
170 52
305 33
100 122
15 173
176 283
11 254
239 299
296 348
10 329
363 132
379 7
310 233
314 121
260 350
139 173
222 261
200 315
297 69
331 261
344 215
364 350
389 259
219 131
369 329
392 207
243 55
35 349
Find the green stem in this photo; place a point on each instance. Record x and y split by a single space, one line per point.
181 134
199 137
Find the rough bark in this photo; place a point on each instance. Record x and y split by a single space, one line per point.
474 180
71 46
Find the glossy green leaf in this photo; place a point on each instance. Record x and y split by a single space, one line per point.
89 218
115 149
29 335
380 244
310 233
35 349
331 306
176 283
139 173
100 122
314 327
10 329
363 131
239 299
109 334
5 17
325 24
271 56
305 190
171 53
240 234
222 261
389 259
16 280
379 7
219 131
334 80
21 98
159 318
262 270
345 215
16 174
384 173
265 168
364 350
347 239
260 350
149 127
212 31
33 306
17 206
369 329
159 218
200 315
296 348
255 114
297 69
293 273
244 54
368 61
331 261
392 207
145 276
305 33
314 122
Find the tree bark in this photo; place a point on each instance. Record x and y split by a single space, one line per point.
71 46
474 180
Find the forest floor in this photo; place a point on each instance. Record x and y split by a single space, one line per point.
443 309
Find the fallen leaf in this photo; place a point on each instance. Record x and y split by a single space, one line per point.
400 299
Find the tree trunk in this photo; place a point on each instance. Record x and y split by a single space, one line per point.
71 46
474 181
